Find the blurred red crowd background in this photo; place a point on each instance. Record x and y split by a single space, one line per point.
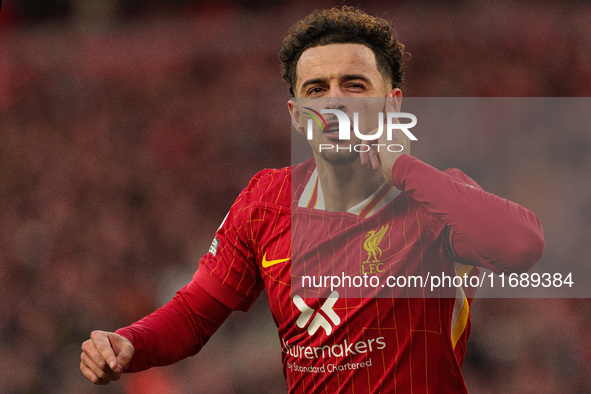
127 129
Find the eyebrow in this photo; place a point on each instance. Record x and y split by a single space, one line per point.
313 81
344 78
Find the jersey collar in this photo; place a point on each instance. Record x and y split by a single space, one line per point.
312 197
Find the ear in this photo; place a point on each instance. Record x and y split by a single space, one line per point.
394 103
396 97
294 112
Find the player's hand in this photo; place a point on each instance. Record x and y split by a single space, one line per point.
105 356
382 158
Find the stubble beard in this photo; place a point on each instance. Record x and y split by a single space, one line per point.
341 158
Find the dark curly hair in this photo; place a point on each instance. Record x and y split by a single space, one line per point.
340 26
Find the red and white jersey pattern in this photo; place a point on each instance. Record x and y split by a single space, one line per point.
343 341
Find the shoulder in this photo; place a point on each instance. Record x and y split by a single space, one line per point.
269 186
273 186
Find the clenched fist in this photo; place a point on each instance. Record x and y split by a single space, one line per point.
105 356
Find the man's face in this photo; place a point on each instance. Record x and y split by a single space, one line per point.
333 76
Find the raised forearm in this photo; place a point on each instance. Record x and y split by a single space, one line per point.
486 229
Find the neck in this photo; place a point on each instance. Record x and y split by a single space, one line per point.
347 185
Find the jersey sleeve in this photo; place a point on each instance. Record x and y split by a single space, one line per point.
227 279
229 271
484 230
177 330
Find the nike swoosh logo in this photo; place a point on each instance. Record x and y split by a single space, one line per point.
268 263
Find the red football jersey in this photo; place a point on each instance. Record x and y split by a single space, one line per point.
344 340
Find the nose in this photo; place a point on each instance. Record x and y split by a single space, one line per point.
336 99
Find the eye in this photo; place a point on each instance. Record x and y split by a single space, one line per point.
357 86
315 90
